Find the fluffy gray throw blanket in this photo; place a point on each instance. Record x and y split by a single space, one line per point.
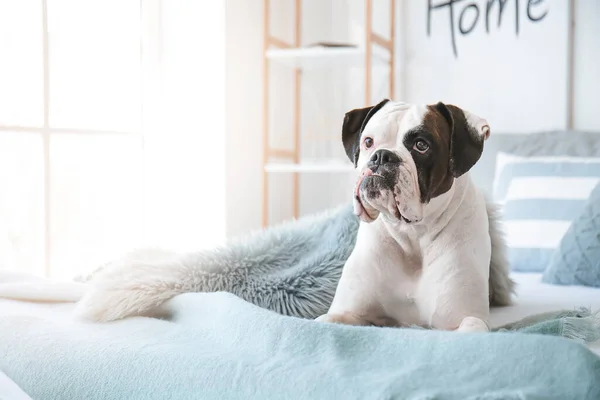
292 268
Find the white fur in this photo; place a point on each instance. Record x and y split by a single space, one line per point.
481 125
434 272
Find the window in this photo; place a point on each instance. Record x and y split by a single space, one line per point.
106 107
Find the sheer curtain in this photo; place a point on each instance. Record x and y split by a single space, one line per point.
112 126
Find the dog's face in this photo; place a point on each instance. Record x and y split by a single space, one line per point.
405 155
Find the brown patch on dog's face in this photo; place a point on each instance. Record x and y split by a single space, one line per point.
455 140
434 175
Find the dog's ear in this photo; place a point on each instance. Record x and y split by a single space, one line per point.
354 123
467 134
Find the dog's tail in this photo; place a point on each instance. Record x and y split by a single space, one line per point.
502 287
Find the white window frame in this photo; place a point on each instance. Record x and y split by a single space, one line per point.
150 60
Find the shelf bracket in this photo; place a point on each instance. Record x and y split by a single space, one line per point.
385 43
272 40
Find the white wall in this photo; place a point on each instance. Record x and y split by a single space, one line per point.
587 65
243 156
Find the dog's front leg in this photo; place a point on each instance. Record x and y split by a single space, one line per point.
357 300
343 318
454 293
353 301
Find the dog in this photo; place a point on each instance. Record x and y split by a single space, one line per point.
428 249
424 251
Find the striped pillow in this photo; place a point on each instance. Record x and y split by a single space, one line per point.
540 196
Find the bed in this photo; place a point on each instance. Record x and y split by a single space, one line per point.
244 352
533 297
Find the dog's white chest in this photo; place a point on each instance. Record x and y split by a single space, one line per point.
400 301
400 275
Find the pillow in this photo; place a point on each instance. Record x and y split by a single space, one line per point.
577 259
551 143
540 196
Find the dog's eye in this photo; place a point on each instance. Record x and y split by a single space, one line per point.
421 146
368 142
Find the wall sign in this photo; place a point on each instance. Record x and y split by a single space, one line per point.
464 17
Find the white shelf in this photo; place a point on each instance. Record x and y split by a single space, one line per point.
318 167
321 57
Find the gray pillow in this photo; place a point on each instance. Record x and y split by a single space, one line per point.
553 143
576 261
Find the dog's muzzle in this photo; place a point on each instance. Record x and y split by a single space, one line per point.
374 190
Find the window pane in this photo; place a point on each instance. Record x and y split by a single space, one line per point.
21 65
21 202
94 51
96 193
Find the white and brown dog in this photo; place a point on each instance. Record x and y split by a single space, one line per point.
428 251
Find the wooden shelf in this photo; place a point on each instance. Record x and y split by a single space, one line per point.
324 57
313 167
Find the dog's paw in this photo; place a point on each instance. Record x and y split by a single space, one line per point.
323 318
473 324
345 318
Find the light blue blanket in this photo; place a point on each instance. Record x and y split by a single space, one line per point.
216 346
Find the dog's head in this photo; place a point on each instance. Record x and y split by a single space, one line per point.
405 155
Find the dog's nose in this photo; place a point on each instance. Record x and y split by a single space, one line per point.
381 157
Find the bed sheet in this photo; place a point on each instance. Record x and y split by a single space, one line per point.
534 297
9 390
